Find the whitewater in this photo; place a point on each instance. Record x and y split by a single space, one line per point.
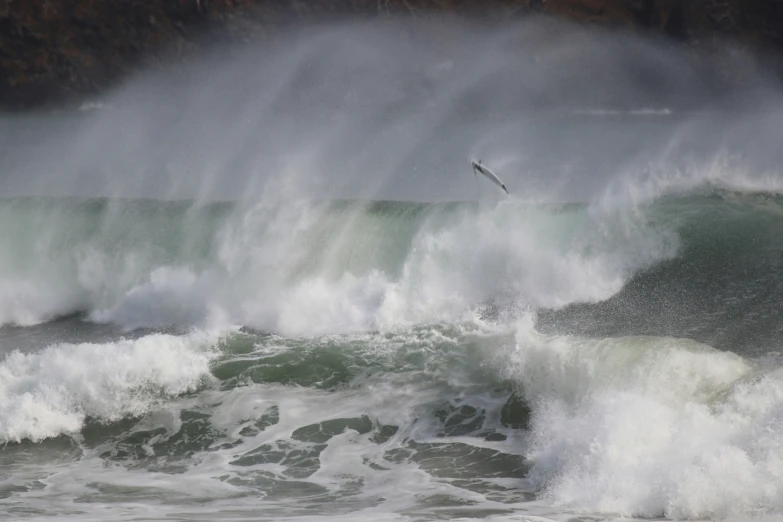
275 291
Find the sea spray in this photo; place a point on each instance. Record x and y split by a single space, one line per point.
393 343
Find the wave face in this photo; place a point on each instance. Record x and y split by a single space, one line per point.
317 268
309 268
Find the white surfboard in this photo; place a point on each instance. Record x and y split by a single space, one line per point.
489 174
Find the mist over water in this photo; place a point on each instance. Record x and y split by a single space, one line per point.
394 111
265 284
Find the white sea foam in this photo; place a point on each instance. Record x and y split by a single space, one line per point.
632 426
651 427
53 391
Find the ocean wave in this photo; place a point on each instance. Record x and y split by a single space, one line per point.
53 391
310 268
633 426
306 268
648 426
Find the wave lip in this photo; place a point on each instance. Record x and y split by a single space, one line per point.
573 370
53 392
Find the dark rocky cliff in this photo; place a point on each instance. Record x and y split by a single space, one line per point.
51 50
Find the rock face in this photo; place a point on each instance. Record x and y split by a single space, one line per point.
54 49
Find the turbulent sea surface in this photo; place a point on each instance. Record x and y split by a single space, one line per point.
377 360
265 285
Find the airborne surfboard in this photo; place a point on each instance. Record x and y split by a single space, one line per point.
478 167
